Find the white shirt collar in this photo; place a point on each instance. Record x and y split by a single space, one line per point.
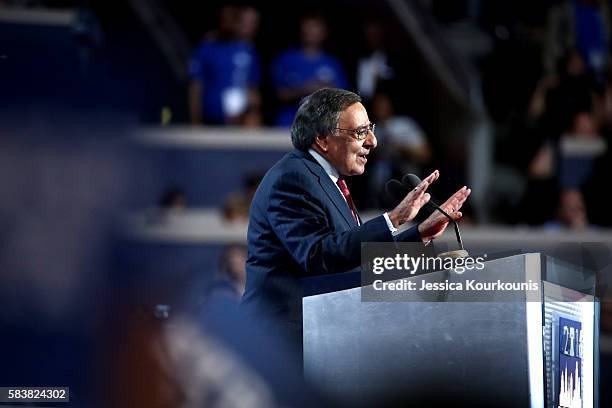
334 176
329 169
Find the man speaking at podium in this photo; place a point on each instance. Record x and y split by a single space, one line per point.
303 221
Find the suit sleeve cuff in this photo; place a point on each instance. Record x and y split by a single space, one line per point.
394 231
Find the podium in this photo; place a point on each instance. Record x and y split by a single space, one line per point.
492 348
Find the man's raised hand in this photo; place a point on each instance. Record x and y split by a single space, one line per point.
437 222
409 207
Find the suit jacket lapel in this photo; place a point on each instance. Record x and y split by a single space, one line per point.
335 196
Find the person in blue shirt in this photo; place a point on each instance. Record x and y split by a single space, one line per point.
300 71
225 74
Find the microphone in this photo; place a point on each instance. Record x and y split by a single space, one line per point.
396 189
413 180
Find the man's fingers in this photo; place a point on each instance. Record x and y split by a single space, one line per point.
426 182
463 193
458 194
462 197
425 199
417 193
432 177
456 200
423 185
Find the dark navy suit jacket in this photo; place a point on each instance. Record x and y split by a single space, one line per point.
300 226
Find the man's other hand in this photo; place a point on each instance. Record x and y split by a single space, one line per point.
437 222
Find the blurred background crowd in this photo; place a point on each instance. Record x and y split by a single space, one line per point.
172 112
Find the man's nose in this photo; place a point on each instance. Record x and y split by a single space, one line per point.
370 140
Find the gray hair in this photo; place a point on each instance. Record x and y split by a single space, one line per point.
319 114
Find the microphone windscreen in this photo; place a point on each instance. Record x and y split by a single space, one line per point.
396 190
411 180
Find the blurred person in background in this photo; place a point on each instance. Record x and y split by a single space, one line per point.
251 117
248 24
236 206
300 71
571 213
606 106
404 146
583 25
554 172
406 140
563 107
557 99
597 184
230 279
374 67
172 201
174 198
225 72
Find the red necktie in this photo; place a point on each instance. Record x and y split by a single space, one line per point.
347 195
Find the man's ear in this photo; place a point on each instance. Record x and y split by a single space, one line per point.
322 142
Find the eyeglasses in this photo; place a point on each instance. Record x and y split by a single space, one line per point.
360 133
